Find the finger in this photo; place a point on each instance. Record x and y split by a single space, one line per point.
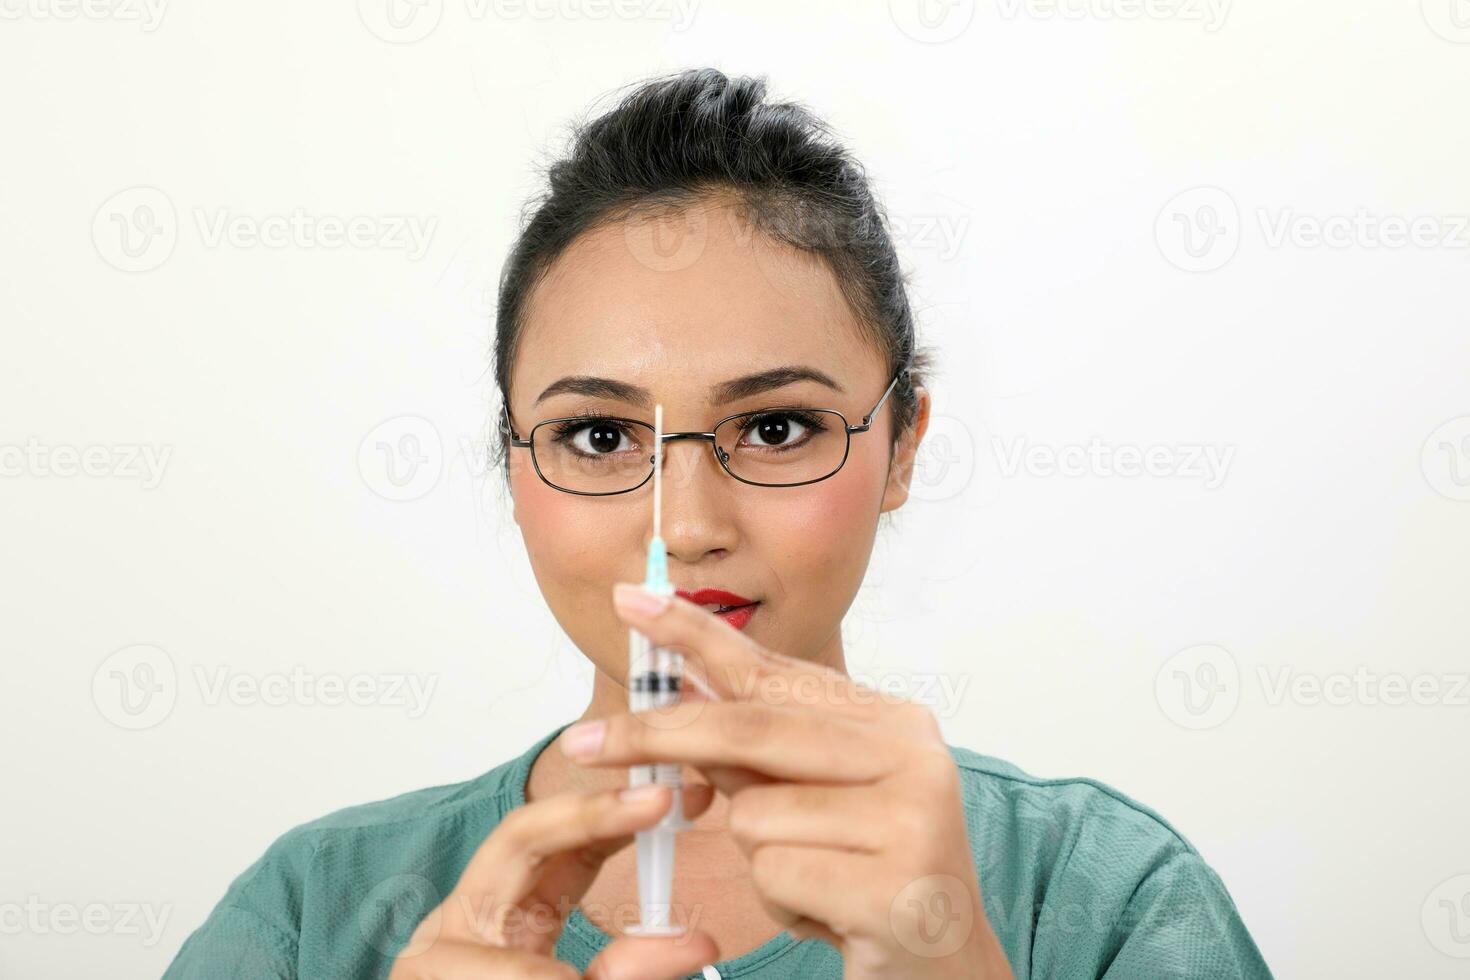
524 899
781 742
697 798
733 664
804 928
535 921
801 883
854 818
596 825
732 779
653 957
566 877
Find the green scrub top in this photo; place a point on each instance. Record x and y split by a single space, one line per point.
1078 881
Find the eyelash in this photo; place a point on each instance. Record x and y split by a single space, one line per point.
576 422
811 420
580 420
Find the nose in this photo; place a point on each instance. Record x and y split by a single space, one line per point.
698 521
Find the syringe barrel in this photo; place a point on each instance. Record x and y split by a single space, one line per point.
655 679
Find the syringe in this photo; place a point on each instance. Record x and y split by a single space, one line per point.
654 678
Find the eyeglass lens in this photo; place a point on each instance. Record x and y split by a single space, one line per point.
769 447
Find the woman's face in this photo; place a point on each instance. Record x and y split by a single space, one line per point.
723 303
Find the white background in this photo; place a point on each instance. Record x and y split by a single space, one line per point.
1032 159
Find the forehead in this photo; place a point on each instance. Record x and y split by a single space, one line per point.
680 301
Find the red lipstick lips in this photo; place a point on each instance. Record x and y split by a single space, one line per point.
733 609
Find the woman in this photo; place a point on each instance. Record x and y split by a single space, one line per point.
834 832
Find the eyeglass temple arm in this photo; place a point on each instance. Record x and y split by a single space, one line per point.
867 422
505 427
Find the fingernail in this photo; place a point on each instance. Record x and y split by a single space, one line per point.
635 600
583 740
637 794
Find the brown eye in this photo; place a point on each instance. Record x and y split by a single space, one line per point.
595 437
779 430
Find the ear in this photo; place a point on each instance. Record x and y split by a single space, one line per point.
510 460
901 473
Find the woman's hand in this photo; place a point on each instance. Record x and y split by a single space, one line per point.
845 801
504 915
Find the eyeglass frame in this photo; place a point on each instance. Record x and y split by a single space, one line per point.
507 427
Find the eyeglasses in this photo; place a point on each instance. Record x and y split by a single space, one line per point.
601 455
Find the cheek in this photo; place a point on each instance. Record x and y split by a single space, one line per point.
577 546
571 541
821 536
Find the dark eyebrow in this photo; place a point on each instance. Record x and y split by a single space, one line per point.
583 384
754 384
725 391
